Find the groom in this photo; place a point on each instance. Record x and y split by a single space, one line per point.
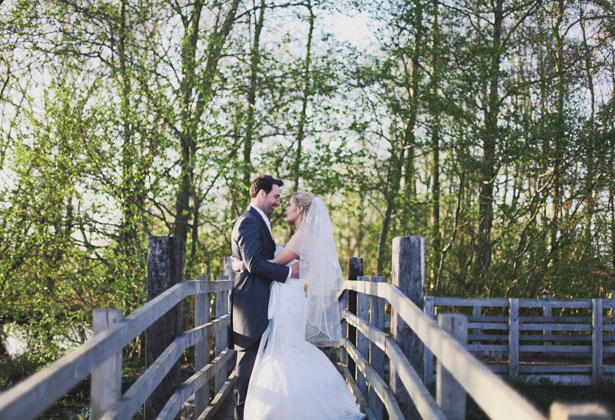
252 242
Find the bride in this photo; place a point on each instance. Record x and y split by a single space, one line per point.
292 378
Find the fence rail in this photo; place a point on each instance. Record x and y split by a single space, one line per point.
568 342
31 397
366 349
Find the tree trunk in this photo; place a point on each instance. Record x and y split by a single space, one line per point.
305 99
192 108
589 142
559 132
434 114
488 168
254 69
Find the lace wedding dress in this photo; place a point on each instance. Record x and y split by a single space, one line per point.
292 378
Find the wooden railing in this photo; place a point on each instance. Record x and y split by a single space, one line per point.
364 355
567 342
459 373
32 396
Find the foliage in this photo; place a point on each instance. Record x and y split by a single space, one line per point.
487 127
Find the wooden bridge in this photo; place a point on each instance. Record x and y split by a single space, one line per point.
369 347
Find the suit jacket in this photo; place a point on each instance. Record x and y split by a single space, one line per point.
252 243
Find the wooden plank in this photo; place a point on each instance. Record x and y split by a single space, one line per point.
555 369
106 384
488 325
555 327
362 341
608 369
196 381
363 405
556 303
454 301
450 395
136 395
376 354
513 338
587 411
218 401
222 335
554 348
492 394
408 276
33 395
423 400
201 350
343 299
596 340
355 269
383 391
428 364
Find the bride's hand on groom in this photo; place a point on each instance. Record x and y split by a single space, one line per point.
237 264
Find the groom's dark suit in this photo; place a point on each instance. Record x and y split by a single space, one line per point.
252 243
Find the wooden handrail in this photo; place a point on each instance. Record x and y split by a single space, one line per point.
491 393
33 395
137 394
381 388
425 404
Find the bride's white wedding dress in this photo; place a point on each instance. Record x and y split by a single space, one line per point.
292 378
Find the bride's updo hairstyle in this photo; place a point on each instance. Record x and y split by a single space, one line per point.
302 199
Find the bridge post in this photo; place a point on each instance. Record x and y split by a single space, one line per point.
408 275
597 340
164 270
362 341
355 270
222 308
376 356
450 396
106 385
201 349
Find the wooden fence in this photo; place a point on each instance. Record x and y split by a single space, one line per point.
564 342
101 356
369 349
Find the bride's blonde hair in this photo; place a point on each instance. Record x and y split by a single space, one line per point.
302 199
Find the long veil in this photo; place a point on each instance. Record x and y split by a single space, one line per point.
321 269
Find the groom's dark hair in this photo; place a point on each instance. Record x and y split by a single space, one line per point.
265 183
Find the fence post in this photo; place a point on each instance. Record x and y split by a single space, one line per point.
201 350
428 310
408 275
376 356
450 396
589 411
106 386
596 340
513 338
221 336
164 270
355 270
362 341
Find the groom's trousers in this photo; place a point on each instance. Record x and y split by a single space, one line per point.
244 366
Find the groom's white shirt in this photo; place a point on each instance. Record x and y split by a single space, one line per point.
265 219
268 223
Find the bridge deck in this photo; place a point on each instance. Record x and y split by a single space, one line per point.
226 411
